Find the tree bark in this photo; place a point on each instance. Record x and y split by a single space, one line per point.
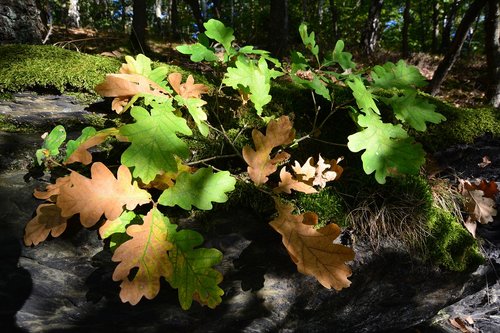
278 27
174 19
456 45
492 49
450 17
435 27
139 23
20 22
195 8
405 48
334 10
370 34
73 19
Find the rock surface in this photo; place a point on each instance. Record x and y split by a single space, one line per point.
65 285
20 22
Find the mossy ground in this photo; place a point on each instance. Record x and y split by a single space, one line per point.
402 209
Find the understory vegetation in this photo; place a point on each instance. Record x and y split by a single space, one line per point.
317 145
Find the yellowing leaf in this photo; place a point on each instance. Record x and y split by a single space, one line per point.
312 249
288 183
102 194
480 207
260 164
48 219
188 89
147 251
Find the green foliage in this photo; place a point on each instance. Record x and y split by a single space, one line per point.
450 244
154 141
199 189
219 32
364 98
398 76
327 203
309 40
72 145
51 144
340 57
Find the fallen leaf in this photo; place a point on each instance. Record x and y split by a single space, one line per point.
260 164
490 188
479 207
188 89
102 194
312 249
288 183
486 161
471 226
146 251
48 220
305 172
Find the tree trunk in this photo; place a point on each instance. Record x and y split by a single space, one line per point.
435 27
423 30
195 8
405 48
20 22
450 17
492 49
73 19
334 10
370 34
139 23
174 19
278 27
456 45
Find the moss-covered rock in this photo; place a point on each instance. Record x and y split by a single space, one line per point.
449 244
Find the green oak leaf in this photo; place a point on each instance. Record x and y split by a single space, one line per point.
299 62
218 31
140 65
341 57
199 189
309 40
159 74
193 274
364 98
414 111
255 78
72 145
388 149
316 84
154 141
194 108
198 52
117 226
400 76
51 144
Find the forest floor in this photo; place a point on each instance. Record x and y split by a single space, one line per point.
464 85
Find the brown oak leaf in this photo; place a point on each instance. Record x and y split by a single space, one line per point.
260 164
101 194
147 251
48 220
52 190
188 89
125 86
319 174
312 249
479 207
82 155
288 183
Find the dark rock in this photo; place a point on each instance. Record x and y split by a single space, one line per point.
20 22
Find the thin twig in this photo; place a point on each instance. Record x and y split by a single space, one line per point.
211 159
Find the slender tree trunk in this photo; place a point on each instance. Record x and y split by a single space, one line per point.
456 45
174 19
370 34
195 8
492 49
435 27
405 48
423 30
450 17
335 18
73 20
139 23
278 27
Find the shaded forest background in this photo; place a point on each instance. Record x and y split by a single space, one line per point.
431 34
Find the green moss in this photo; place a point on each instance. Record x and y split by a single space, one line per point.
327 203
463 125
24 67
450 244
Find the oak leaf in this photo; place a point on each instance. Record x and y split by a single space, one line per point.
146 251
260 164
289 183
188 89
312 249
48 220
79 148
478 205
101 194
52 190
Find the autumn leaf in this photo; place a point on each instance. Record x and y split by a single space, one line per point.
288 183
146 251
188 89
312 249
260 164
479 207
53 190
77 150
486 161
193 274
319 174
102 194
48 220
490 189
